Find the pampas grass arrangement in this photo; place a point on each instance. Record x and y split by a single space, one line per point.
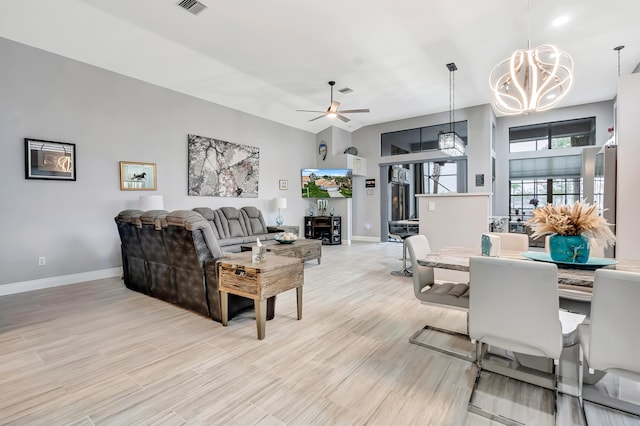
579 219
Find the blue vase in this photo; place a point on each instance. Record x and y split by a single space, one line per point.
569 248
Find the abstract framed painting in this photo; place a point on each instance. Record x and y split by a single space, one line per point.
222 169
49 160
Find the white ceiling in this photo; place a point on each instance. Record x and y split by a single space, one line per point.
269 58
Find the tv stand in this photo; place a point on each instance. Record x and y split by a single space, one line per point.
328 229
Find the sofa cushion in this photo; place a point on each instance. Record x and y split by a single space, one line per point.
125 216
254 220
212 217
232 222
154 217
233 241
192 221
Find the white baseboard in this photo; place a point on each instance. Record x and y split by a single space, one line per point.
367 239
23 286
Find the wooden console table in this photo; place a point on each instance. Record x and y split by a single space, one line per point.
259 281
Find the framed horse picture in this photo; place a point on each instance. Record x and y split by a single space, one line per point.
136 176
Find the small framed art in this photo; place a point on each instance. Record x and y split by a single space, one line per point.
49 160
136 176
283 184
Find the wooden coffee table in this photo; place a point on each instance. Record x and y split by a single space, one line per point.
302 249
259 281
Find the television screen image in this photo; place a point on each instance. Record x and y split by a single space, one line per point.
326 183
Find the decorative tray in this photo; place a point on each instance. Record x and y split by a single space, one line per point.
281 241
592 263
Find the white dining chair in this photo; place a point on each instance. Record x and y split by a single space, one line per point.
609 341
513 305
512 241
577 301
446 294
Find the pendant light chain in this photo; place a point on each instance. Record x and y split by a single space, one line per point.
618 49
528 24
451 102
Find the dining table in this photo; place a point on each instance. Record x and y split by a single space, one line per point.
570 277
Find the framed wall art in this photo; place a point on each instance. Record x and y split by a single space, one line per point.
283 184
49 160
136 176
222 169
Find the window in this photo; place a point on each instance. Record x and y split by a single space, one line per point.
556 135
526 194
440 177
421 139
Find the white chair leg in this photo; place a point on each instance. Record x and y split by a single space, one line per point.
556 370
580 382
415 339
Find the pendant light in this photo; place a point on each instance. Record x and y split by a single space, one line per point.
531 80
449 142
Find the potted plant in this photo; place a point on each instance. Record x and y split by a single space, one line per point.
571 228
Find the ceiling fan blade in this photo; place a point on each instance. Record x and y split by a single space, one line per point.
314 119
308 110
351 111
334 106
342 117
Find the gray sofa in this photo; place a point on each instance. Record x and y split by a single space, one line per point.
233 227
173 256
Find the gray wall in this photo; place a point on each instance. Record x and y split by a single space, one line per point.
628 201
112 118
366 208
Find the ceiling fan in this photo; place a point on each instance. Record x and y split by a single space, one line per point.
332 111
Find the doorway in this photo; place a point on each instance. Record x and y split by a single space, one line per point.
402 181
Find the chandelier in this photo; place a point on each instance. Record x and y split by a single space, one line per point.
531 80
449 142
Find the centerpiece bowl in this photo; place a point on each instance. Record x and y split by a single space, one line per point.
286 238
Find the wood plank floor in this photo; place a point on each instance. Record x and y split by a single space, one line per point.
97 353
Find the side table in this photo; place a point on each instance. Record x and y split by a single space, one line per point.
259 281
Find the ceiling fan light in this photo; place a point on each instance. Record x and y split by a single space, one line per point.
451 144
331 115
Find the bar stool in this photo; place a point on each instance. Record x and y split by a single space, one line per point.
401 232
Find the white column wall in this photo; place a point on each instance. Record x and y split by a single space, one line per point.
628 188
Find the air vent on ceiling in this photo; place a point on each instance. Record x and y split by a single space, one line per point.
193 6
345 90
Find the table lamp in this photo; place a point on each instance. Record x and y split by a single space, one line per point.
281 203
151 202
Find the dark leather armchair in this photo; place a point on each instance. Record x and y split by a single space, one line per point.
159 273
133 258
194 253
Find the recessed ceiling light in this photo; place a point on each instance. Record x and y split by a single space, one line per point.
558 22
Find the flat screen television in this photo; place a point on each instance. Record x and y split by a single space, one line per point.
327 183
